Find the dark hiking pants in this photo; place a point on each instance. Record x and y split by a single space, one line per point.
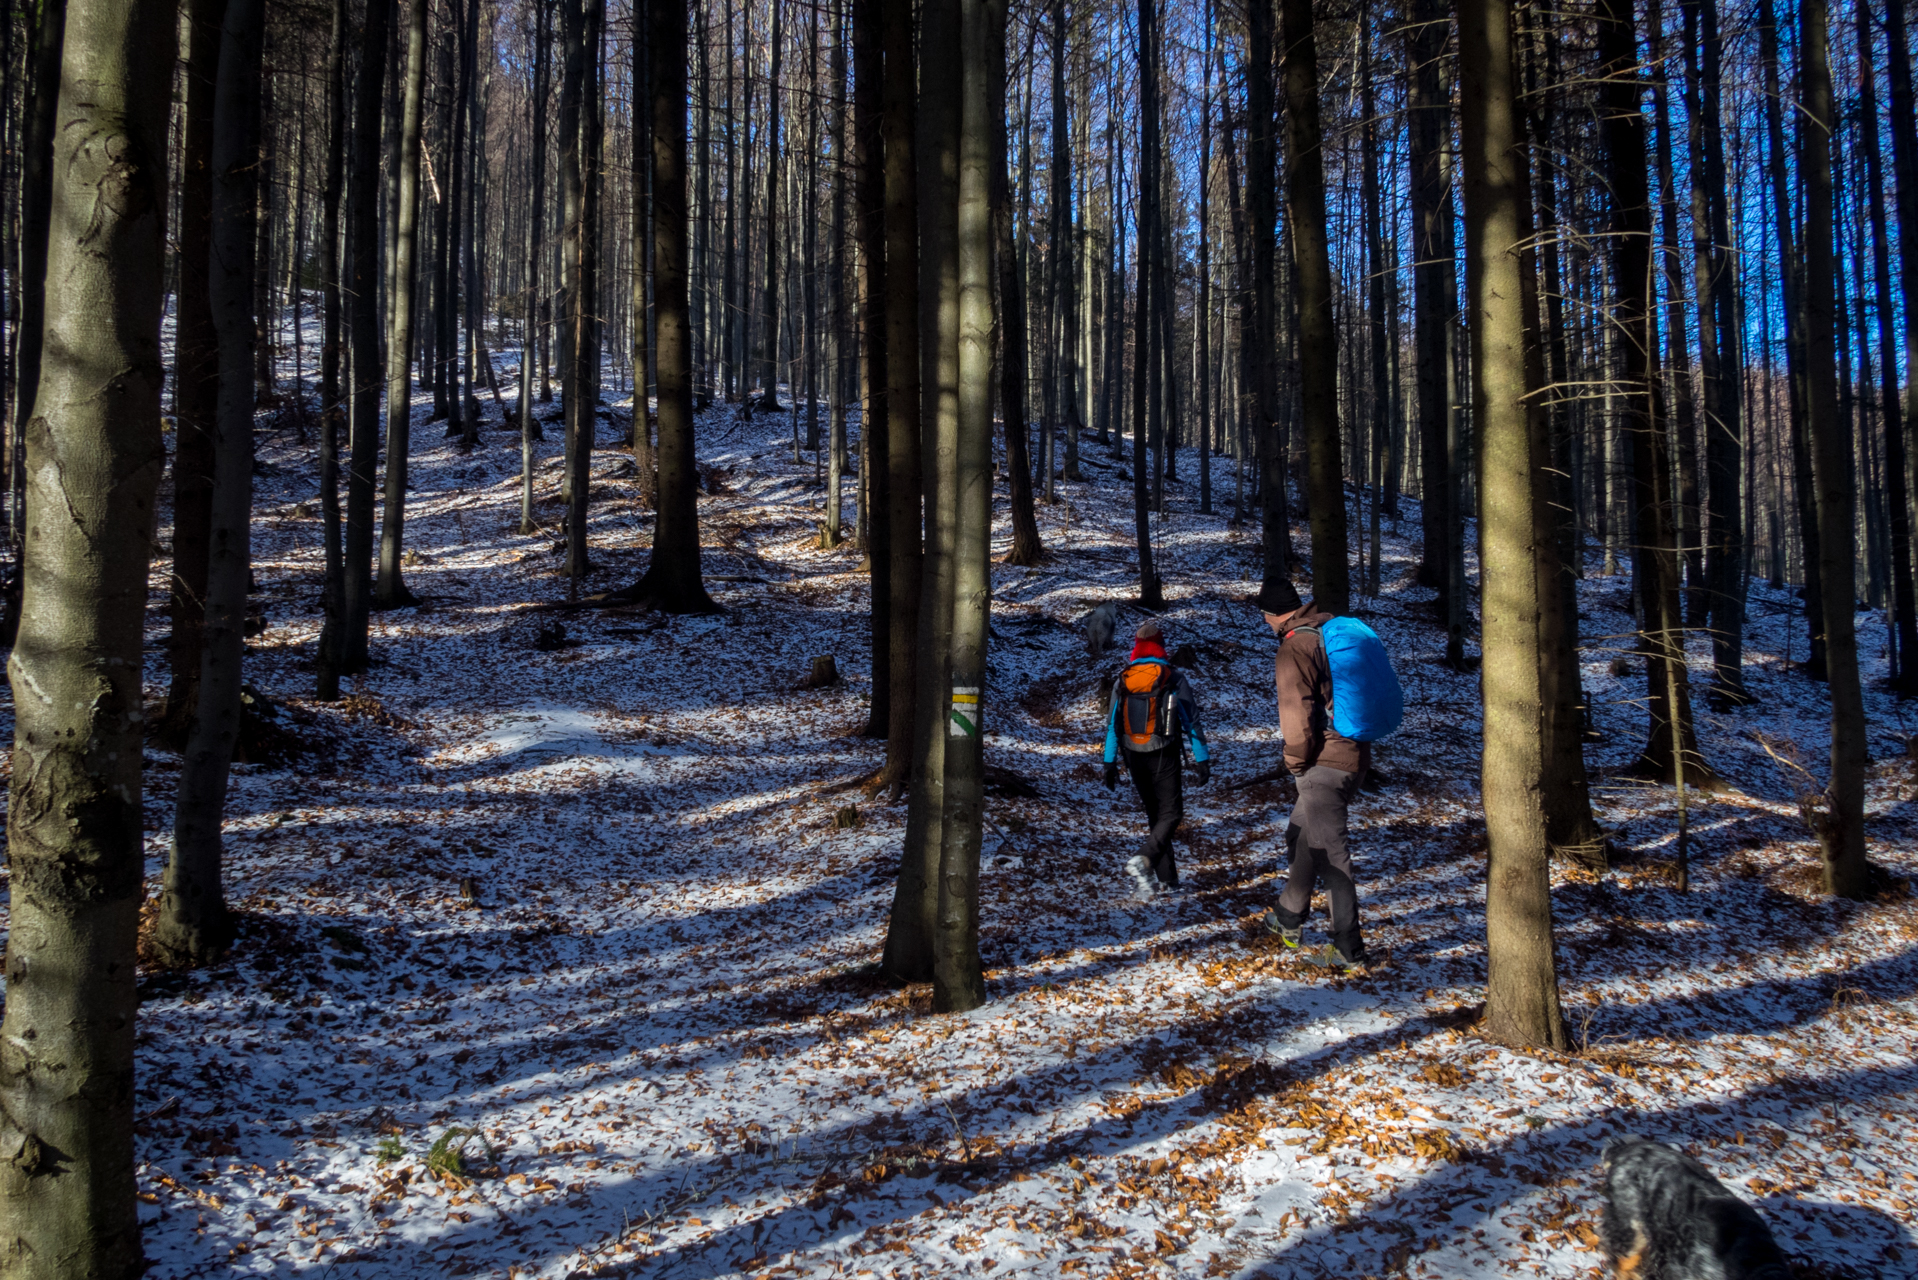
1162 791
1315 844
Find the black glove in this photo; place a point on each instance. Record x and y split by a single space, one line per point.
1203 770
1111 778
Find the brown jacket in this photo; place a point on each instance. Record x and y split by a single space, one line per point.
1305 703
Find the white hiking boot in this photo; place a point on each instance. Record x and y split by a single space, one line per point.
1143 881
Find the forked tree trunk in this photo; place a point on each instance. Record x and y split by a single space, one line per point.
1312 288
194 927
93 462
390 591
196 362
1841 827
959 981
1522 1005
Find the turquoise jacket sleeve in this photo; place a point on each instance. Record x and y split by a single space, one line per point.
1112 728
1189 721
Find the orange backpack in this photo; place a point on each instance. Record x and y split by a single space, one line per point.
1142 705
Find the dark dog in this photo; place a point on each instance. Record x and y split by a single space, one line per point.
1667 1218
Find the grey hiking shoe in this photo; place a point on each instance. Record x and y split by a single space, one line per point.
1330 957
1290 937
1142 877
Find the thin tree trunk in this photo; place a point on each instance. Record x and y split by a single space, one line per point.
194 927
1901 428
196 386
913 923
641 346
1434 294
1522 1005
390 591
1259 336
332 409
363 428
93 464
903 459
673 581
1026 547
769 329
839 331
1144 331
874 434
959 981
1796 358
529 428
1318 344
1661 638
1841 826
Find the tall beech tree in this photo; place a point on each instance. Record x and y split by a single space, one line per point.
1318 342
1522 1002
194 926
1841 825
93 458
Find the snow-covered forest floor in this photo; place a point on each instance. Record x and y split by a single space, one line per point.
580 916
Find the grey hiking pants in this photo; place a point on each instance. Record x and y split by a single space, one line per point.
1315 844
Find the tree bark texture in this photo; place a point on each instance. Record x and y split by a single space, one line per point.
1522 1005
389 590
93 459
1318 343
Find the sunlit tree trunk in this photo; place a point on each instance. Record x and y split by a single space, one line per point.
93 461
389 590
1522 1005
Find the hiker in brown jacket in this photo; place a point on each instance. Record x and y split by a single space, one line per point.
1328 768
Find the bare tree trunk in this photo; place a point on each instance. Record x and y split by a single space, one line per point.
194 927
839 337
904 231
1064 260
1662 633
959 981
1145 332
93 464
529 428
332 410
673 581
1901 427
1522 1004
1318 339
874 428
1259 337
1013 374
363 428
389 591
196 386
1796 358
1841 827
913 923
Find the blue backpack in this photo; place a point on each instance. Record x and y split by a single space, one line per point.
1367 703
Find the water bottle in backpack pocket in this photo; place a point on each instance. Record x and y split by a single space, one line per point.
1367 702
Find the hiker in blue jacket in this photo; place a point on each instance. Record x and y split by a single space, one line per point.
1153 712
1329 728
